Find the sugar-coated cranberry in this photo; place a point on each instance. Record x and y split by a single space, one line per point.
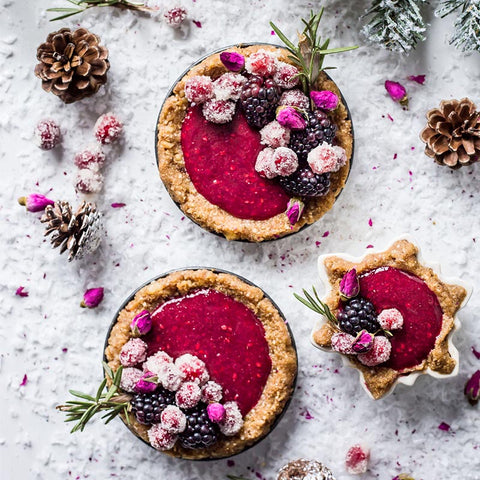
173 419
285 160
229 86
212 392
47 134
379 353
108 128
343 343
233 421
286 75
188 395
88 181
91 157
357 459
263 63
160 438
199 89
174 17
265 163
133 352
218 111
275 135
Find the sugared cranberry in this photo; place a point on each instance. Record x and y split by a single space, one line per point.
92 158
228 86
218 111
295 98
47 134
174 17
160 438
285 160
133 352
173 419
275 135
108 128
357 459
233 421
188 395
88 181
199 89
263 63
286 75
379 353
212 392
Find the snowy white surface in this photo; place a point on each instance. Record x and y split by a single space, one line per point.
59 346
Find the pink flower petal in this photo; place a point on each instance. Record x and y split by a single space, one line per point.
24 381
197 23
476 353
21 292
444 426
118 205
417 78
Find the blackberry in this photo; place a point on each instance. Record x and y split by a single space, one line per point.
148 407
200 432
304 183
319 129
358 314
259 99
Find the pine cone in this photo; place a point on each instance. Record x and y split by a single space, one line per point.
80 233
452 134
72 64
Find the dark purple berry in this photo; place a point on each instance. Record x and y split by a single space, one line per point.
200 432
148 407
358 314
304 183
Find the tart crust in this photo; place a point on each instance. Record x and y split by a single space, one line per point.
280 383
402 255
172 170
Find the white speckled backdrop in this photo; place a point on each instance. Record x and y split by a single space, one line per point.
59 346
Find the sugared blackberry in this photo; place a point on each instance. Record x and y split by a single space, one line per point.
148 407
259 99
358 314
200 432
304 183
319 129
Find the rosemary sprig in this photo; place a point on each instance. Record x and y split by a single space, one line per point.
111 402
310 52
315 304
82 5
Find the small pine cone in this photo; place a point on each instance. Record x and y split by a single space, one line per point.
452 134
80 233
73 65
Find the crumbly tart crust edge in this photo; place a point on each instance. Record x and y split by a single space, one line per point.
403 255
172 170
280 383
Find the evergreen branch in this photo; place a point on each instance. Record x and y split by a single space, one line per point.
315 304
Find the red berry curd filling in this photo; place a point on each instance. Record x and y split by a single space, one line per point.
220 160
222 332
393 288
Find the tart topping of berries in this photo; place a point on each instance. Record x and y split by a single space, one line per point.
147 383
200 432
358 314
286 75
148 407
199 89
171 377
233 61
262 63
233 421
229 86
265 164
379 353
212 392
108 128
326 158
290 118
218 111
216 412
173 419
295 98
343 343
160 438
47 134
193 369
275 135
133 352
357 458
304 183
285 160
188 395
130 377
325 99
390 319
158 362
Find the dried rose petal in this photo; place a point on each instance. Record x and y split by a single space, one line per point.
21 292
349 285
35 202
472 388
363 342
444 426
289 117
141 323
24 381
397 92
92 297
294 210
233 61
417 78
324 99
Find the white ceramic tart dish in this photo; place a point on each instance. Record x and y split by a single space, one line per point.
399 280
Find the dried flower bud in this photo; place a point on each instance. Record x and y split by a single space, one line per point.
294 210
363 342
148 383
92 298
403 476
472 388
397 92
216 412
141 324
324 99
349 285
35 202
233 61
289 117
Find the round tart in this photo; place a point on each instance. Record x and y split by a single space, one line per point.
216 157
390 316
218 356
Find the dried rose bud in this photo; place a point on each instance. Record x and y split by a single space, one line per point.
397 92
92 297
294 210
349 285
141 324
233 61
363 342
403 476
324 99
216 412
148 383
289 117
35 202
472 388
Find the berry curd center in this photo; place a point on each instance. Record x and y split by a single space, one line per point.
222 332
393 288
220 160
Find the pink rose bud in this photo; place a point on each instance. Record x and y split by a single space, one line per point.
289 117
325 99
397 92
363 342
349 286
216 412
141 323
146 384
472 388
92 297
233 61
35 202
294 210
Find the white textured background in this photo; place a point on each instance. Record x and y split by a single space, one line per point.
439 207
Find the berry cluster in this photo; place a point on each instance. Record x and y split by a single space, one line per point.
176 397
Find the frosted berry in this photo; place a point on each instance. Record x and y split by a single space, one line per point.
173 419
286 75
92 158
379 353
160 438
47 134
390 319
212 392
200 432
357 458
263 63
193 369
295 98
265 165
233 420
343 343
130 377
148 407
285 160
326 158
218 111
188 395
157 362
175 17
108 128
228 86
199 89
133 352
358 314
305 183
88 181
171 377
274 135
